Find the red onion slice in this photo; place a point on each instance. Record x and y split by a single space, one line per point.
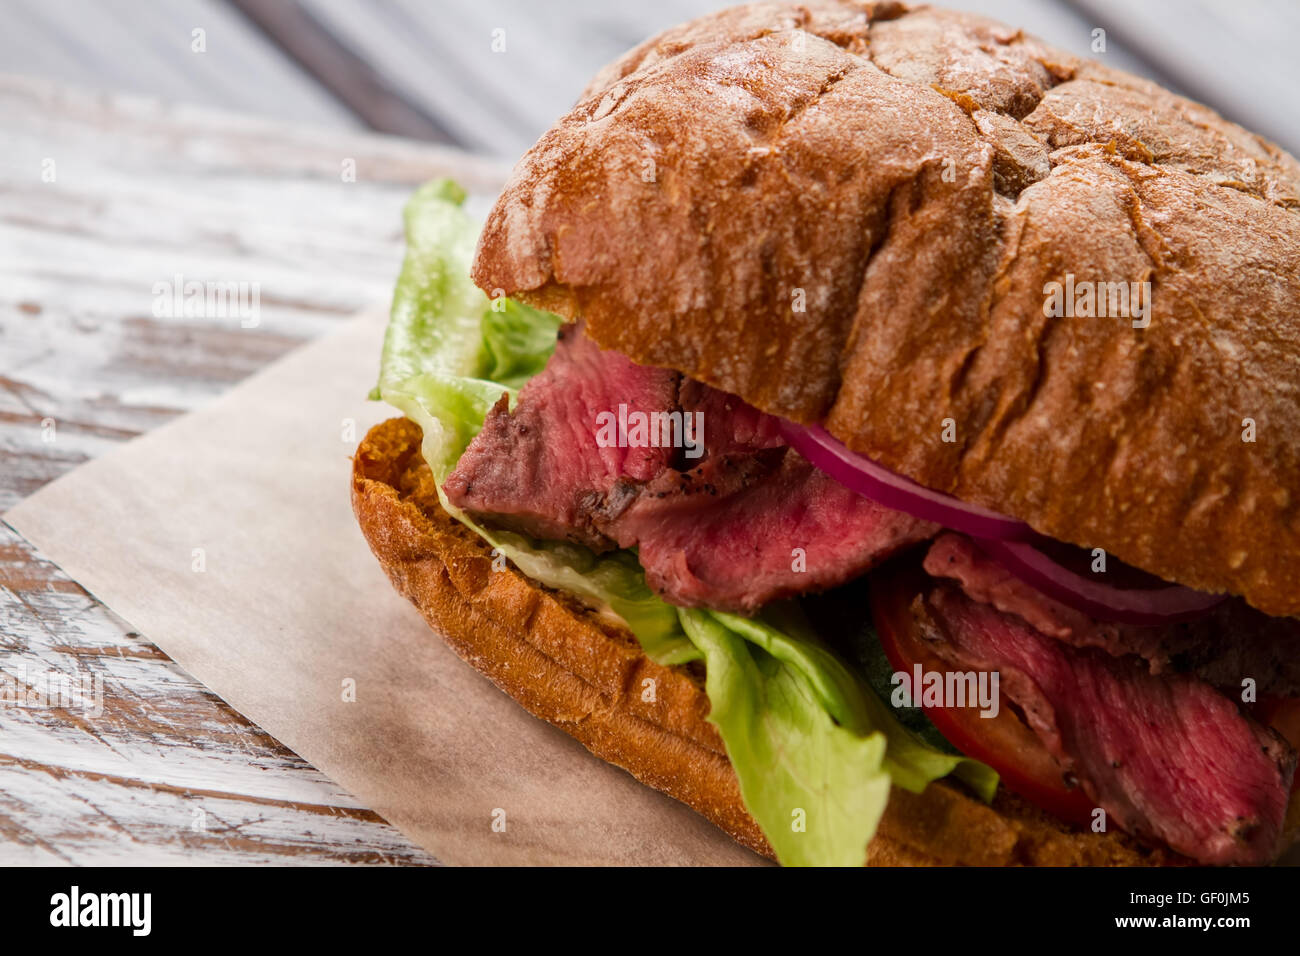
1102 601
1006 539
861 474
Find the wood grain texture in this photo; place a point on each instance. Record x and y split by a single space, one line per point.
497 92
430 70
335 66
141 764
149 48
141 194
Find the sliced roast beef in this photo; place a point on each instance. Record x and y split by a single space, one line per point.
735 522
540 468
731 426
790 531
1168 758
1230 644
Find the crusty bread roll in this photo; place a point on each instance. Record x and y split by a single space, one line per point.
915 179
570 667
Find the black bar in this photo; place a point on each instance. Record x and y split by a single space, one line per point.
1011 909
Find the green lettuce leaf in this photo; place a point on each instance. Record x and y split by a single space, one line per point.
815 787
814 748
781 696
437 314
449 355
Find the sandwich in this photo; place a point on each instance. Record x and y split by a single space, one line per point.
876 429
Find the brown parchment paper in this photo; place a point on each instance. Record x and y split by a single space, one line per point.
290 604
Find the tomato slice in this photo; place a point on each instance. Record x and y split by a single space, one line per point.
1003 742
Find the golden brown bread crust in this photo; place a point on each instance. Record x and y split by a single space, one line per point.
917 178
568 666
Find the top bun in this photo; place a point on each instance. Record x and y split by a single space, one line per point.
857 213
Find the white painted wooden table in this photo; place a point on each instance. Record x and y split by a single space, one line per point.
101 197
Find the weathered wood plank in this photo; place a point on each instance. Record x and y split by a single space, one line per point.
496 73
341 71
141 763
140 194
148 48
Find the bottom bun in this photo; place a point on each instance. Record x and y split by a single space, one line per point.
574 668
